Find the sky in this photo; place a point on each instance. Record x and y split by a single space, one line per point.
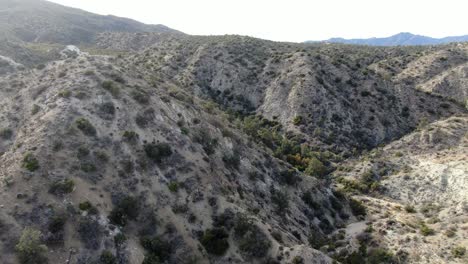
292 20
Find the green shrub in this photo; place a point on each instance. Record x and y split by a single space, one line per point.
88 167
250 238
215 241
458 252
57 223
203 137
30 162
65 93
126 209
6 133
131 136
410 209
281 200
62 187
232 160
157 151
30 249
297 120
173 186
356 207
107 258
85 206
35 109
140 96
316 168
111 87
425 230
380 256
119 239
158 249
85 126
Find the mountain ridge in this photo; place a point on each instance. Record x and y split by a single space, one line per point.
400 39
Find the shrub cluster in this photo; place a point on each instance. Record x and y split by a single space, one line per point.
158 151
125 209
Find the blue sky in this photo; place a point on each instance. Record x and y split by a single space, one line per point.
293 20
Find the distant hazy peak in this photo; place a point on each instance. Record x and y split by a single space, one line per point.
400 39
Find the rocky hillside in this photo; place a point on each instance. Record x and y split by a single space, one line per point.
31 29
416 191
153 146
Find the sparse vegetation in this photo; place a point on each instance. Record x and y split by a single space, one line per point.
85 126
215 241
62 187
30 162
157 151
124 210
6 133
30 249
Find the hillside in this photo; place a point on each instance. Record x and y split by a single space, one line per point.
32 29
400 39
147 145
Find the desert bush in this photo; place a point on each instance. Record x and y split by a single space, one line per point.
316 168
6 133
88 206
90 232
380 256
458 252
356 207
425 230
88 167
410 209
173 186
106 110
125 209
56 227
140 96
144 118
82 152
65 93
30 162
215 241
309 200
232 160
30 249
157 249
131 136
290 177
203 137
297 120
252 241
35 109
280 199
107 257
85 126
111 87
157 151
62 187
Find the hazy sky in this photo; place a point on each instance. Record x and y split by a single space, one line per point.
293 20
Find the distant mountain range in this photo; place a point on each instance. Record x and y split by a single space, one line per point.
401 39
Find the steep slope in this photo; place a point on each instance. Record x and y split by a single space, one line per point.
418 188
338 97
92 155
